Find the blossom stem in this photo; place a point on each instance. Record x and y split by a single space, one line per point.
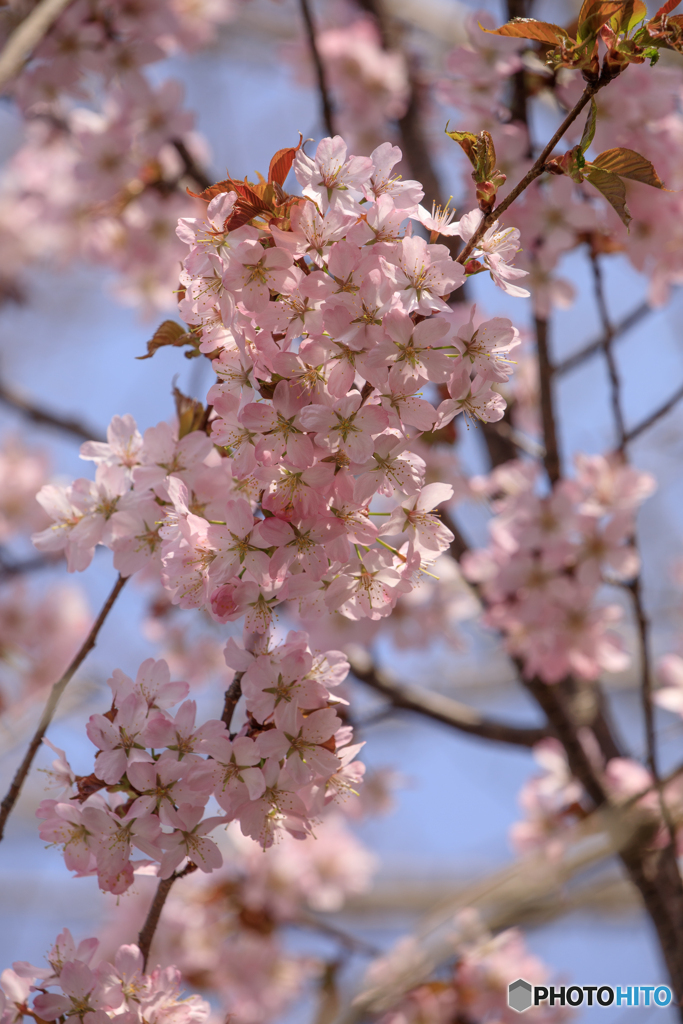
323 90
154 913
534 172
51 705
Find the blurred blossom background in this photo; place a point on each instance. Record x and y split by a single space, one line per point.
91 188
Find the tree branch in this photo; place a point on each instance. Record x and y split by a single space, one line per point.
51 706
49 419
192 168
606 345
650 420
551 458
154 913
534 172
597 346
446 710
27 35
323 90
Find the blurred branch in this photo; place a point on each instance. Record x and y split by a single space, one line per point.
323 90
551 459
154 913
27 35
349 942
606 345
51 706
34 413
499 899
650 420
10 568
444 709
595 347
191 167
658 879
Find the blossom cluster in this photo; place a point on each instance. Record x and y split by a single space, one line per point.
155 772
99 993
324 331
548 557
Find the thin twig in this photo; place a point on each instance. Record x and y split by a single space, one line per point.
551 458
595 347
445 709
650 420
323 90
606 344
49 419
642 622
534 172
51 706
27 35
154 913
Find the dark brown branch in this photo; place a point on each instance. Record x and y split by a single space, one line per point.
154 913
191 167
534 172
10 568
323 90
551 458
51 706
232 696
650 420
446 710
48 419
595 347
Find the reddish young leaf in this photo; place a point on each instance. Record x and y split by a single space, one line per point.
227 185
528 28
281 164
667 7
629 164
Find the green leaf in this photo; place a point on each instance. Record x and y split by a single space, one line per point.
589 127
629 164
467 142
171 333
612 188
529 28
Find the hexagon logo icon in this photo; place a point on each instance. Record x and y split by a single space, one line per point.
519 995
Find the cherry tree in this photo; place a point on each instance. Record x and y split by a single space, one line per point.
311 510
